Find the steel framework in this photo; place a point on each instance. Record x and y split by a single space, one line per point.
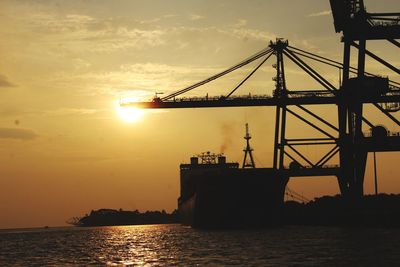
248 151
347 139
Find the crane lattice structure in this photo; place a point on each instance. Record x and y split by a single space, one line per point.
358 26
346 139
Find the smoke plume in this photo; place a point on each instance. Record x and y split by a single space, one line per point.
226 133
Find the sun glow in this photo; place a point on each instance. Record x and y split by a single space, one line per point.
130 114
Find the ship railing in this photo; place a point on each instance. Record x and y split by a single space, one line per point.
290 94
218 98
391 106
326 166
388 134
318 93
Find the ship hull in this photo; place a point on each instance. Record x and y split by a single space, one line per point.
231 198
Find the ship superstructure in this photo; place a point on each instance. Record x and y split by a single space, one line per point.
218 194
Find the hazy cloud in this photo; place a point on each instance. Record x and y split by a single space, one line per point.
14 133
241 23
144 78
195 17
4 82
79 32
319 14
168 16
253 34
71 111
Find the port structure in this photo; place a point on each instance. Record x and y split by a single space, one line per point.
347 139
248 151
358 26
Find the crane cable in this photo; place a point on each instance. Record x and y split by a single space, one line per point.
295 195
244 62
330 62
248 76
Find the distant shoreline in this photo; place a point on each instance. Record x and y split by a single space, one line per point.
382 210
112 217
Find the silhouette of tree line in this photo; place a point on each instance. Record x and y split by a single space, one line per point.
382 210
108 217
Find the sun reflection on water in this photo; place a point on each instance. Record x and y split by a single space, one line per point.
136 245
175 245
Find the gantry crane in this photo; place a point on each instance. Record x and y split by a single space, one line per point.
358 26
347 139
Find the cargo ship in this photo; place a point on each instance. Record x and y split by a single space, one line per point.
218 194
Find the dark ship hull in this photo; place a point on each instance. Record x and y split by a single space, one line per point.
223 196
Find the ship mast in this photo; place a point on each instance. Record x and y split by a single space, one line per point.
248 151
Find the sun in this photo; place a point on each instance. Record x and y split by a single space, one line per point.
130 114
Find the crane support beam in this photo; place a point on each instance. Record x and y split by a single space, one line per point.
254 101
318 118
388 114
309 70
311 124
308 171
383 62
372 32
386 144
393 41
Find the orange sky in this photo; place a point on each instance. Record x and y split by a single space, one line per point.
65 65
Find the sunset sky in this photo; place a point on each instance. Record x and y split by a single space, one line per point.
67 148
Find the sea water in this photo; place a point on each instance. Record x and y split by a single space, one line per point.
176 245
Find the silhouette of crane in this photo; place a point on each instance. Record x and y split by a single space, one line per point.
357 25
346 138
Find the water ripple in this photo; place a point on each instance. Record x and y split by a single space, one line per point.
175 245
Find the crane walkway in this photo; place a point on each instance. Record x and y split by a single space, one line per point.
295 98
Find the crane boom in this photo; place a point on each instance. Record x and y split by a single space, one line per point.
305 98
